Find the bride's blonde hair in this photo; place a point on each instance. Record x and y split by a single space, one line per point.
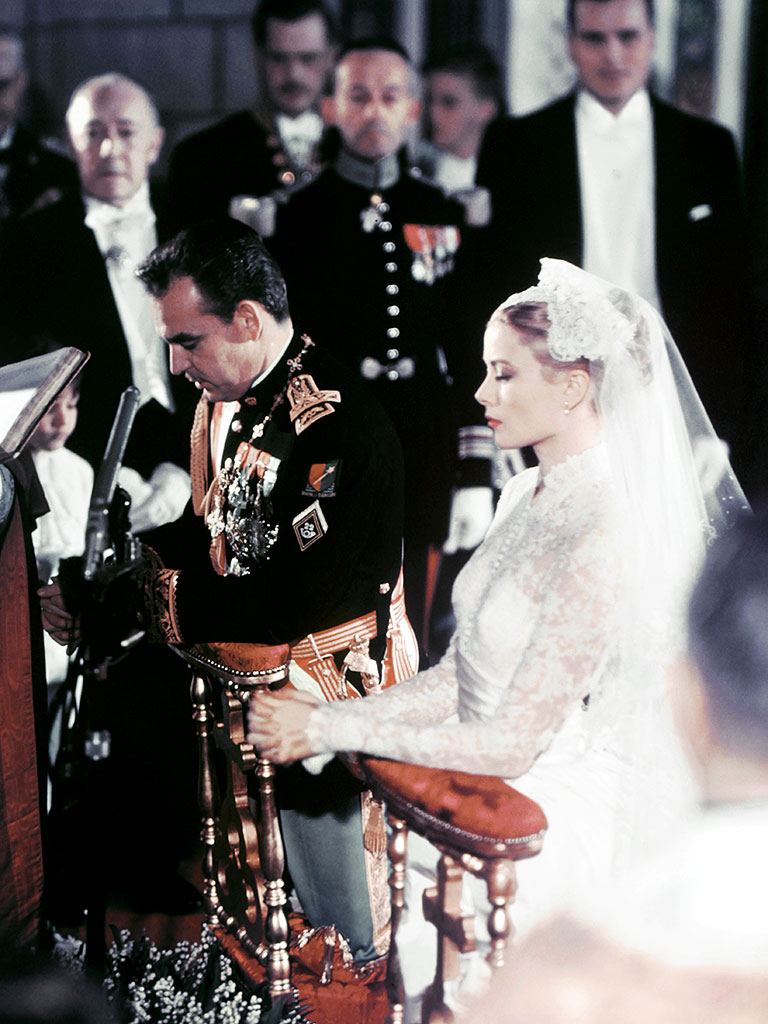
532 322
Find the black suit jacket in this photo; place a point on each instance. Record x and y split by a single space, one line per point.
36 175
241 155
55 290
530 165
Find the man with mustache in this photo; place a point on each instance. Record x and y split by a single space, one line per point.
368 245
274 144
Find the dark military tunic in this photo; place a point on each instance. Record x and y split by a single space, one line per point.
368 271
341 477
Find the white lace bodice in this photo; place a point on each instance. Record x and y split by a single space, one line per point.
536 612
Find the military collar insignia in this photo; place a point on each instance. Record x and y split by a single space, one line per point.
383 174
293 365
308 402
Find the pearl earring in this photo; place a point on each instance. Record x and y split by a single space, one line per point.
566 410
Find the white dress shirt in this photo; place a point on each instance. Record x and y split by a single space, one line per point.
300 135
125 236
617 179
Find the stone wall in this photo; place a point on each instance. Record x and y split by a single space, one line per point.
194 56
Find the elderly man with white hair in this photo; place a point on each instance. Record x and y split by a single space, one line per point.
67 278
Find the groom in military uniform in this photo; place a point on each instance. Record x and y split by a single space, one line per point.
293 534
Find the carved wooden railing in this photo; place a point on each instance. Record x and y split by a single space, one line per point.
477 822
243 858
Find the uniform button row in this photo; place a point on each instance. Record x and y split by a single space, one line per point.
393 332
390 267
392 289
393 311
389 247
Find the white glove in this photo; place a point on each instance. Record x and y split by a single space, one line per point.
471 515
258 212
159 500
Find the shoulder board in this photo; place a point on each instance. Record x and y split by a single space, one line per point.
308 402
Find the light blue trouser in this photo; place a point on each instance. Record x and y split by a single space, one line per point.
323 837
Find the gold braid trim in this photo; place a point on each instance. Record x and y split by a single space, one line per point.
159 589
198 464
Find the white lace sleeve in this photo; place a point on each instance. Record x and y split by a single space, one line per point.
429 697
540 636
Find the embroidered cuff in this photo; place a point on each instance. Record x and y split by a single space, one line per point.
159 589
160 598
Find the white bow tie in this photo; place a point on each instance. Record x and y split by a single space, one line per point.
118 218
307 127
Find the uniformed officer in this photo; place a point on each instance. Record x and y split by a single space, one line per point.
293 534
371 247
274 144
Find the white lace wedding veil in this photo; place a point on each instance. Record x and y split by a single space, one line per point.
675 485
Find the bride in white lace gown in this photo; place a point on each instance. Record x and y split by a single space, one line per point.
569 612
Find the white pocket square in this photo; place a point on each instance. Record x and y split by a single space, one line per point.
700 212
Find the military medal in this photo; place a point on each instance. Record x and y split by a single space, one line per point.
322 479
240 510
433 248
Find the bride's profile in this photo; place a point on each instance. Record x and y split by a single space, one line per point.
571 610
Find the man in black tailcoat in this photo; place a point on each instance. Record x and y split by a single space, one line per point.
619 182
67 278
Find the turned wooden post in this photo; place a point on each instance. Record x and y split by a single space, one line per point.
272 858
207 793
398 843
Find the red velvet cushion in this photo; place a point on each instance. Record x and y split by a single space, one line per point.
472 812
243 658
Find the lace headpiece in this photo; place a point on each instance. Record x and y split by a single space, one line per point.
585 322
